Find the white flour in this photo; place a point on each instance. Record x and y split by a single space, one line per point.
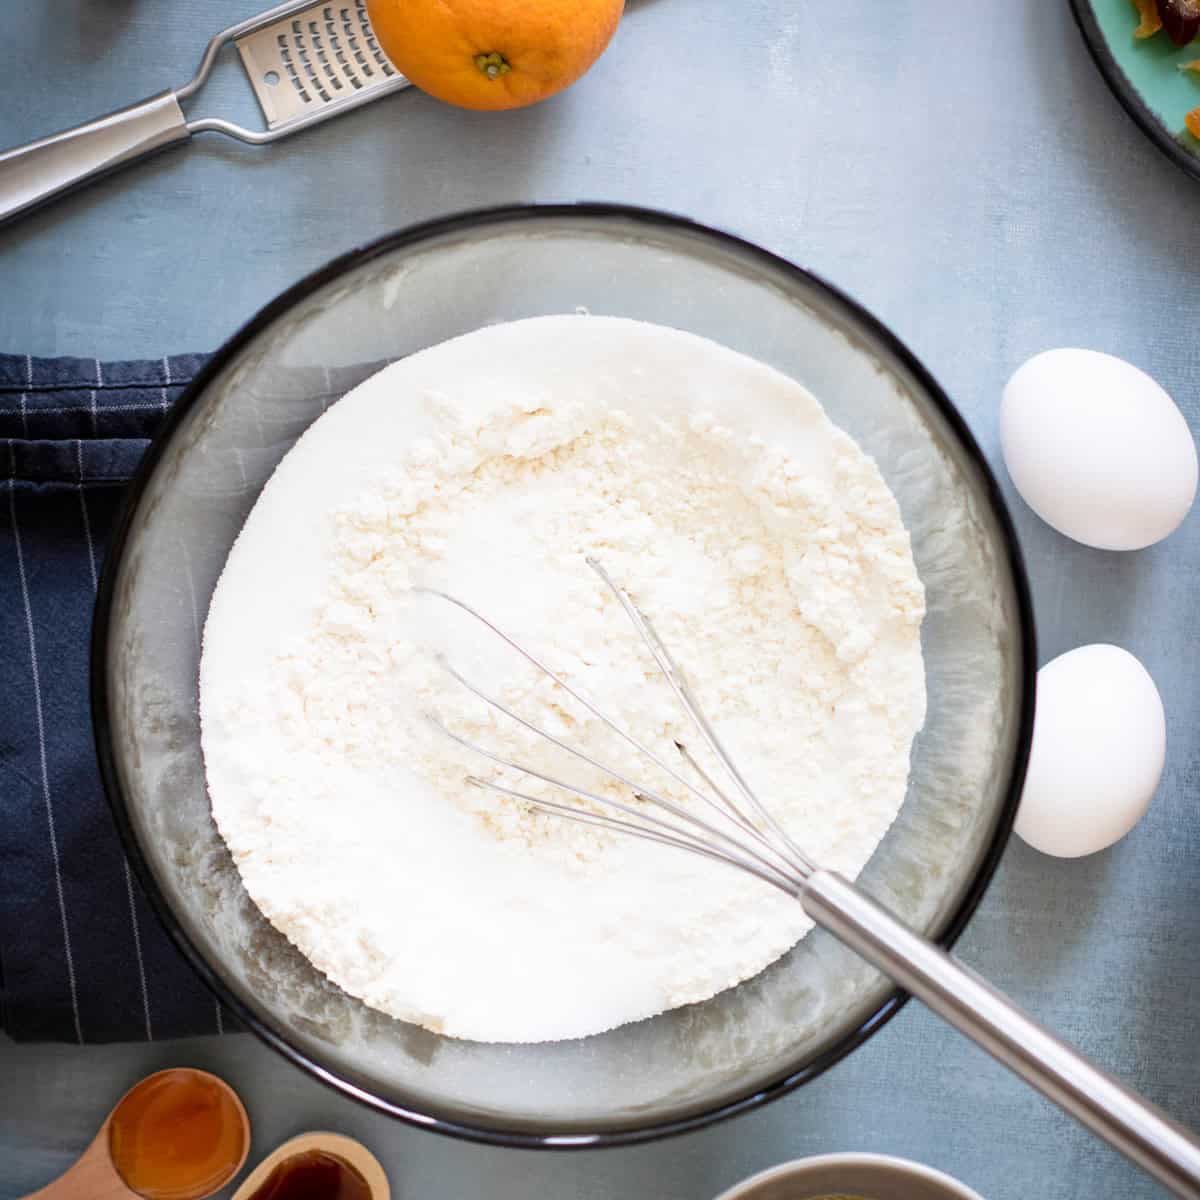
760 539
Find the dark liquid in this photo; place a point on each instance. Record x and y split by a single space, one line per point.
314 1175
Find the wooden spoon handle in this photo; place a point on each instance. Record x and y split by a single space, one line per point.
93 1177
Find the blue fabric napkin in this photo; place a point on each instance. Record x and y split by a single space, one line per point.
82 956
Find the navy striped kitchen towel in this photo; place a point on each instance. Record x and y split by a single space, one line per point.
82 957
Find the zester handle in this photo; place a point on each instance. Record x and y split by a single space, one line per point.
1106 1106
32 174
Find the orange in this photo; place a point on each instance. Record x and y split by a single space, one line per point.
493 54
1150 21
1192 119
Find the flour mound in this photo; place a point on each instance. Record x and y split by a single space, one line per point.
761 541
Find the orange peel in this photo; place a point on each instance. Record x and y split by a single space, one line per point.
493 54
1149 20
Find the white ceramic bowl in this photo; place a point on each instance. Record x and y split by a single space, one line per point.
869 1176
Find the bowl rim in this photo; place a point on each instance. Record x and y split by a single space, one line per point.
651 220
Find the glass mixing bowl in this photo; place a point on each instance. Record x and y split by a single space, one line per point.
408 291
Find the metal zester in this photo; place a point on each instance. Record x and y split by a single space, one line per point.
306 62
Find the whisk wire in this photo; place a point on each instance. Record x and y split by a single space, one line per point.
734 850
728 813
677 839
683 693
691 760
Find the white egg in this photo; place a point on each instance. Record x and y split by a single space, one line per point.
1099 740
1097 449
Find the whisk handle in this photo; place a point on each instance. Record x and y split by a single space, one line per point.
1113 1112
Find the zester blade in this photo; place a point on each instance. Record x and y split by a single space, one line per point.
316 62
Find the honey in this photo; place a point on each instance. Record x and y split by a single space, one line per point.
178 1135
313 1175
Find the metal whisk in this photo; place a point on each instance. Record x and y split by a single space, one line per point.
739 829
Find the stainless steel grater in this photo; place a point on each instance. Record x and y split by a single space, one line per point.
306 62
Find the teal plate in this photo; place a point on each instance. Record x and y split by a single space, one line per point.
1145 76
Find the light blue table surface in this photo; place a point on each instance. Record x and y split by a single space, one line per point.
963 171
